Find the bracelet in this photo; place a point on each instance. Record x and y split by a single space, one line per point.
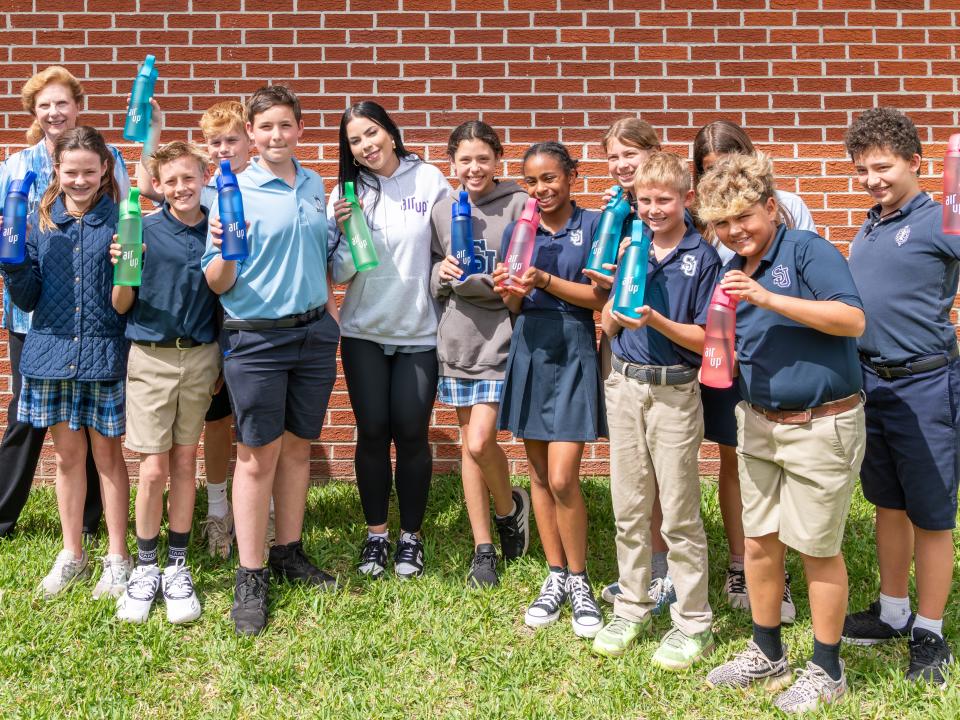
547 283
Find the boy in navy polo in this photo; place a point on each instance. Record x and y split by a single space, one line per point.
800 427
656 422
907 270
280 346
171 372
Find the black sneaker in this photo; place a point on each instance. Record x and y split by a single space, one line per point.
373 557
483 567
408 559
289 562
587 619
929 657
866 627
514 529
249 611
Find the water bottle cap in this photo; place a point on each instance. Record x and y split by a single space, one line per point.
226 178
23 185
463 204
953 144
348 193
617 196
640 232
531 212
131 206
720 297
147 67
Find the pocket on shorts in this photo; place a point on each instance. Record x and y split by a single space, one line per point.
849 436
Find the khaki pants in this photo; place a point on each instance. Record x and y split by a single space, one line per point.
655 434
797 480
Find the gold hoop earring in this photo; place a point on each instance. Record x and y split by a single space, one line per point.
356 164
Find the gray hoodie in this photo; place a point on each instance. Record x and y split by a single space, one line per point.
391 304
473 338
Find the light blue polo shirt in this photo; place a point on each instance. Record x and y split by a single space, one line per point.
286 272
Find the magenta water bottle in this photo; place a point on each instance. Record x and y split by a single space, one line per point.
522 241
13 249
718 346
951 187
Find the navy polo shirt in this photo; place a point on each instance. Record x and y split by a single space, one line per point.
906 269
173 300
785 365
679 288
564 255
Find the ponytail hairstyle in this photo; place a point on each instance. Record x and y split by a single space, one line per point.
349 169
474 130
79 138
557 150
55 74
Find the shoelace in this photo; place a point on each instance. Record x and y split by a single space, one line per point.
618 626
581 596
658 590
737 582
111 569
809 681
551 592
64 565
674 638
407 551
925 650
180 584
250 590
787 597
143 586
484 559
374 551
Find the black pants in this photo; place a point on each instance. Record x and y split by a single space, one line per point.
392 397
20 451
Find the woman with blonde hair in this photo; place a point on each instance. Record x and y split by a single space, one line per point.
53 98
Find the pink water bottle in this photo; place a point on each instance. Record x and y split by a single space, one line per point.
951 187
718 346
520 249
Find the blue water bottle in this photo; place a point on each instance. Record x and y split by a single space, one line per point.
234 245
13 249
606 242
461 235
631 281
139 111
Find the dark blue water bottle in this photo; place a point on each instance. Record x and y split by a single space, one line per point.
461 235
14 246
234 245
631 281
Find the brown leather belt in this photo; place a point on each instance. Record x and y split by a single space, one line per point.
802 417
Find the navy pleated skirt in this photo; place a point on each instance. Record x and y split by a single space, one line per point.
552 387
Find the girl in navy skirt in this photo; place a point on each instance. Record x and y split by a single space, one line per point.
552 397
74 357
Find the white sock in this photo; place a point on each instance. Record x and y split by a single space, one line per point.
894 611
934 626
271 505
385 535
217 505
513 509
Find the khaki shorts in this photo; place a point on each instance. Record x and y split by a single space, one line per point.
168 393
797 480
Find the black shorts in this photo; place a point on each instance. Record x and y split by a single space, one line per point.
220 407
719 420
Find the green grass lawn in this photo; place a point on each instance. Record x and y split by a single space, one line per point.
423 649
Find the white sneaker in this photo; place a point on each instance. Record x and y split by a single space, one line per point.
113 580
66 568
134 604
179 595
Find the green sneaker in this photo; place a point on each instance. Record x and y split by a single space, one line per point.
678 651
616 637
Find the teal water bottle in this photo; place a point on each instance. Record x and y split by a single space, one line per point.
139 111
606 242
130 236
631 283
358 233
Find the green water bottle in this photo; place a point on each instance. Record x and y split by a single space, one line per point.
358 233
130 236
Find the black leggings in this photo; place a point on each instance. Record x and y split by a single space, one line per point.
392 397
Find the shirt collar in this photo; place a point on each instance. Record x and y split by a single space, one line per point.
874 214
737 262
573 222
95 216
177 225
261 176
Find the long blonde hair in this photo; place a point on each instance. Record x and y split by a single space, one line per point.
78 138
28 94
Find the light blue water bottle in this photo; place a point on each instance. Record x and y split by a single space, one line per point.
139 111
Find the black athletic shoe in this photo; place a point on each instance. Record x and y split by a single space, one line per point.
866 627
408 559
483 567
929 657
514 529
373 557
289 562
249 611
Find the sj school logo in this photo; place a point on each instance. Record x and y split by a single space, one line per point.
903 234
781 276
576 238
688 265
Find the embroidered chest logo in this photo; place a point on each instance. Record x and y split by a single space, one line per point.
903 234
781 276
688 265
576 238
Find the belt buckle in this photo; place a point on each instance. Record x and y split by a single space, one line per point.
801 418
176 344
883 371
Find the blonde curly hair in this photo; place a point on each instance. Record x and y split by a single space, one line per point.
734 184
55 74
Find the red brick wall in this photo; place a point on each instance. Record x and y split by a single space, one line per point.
793 73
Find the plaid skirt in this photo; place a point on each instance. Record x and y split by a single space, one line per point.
79 403
462 392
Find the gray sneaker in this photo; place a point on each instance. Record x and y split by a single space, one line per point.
66 568
113 580
749 667
812 688
219 532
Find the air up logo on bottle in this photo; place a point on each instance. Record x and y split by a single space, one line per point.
710 354
134 114
951 202
631 284
9 235
234 227
128 257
